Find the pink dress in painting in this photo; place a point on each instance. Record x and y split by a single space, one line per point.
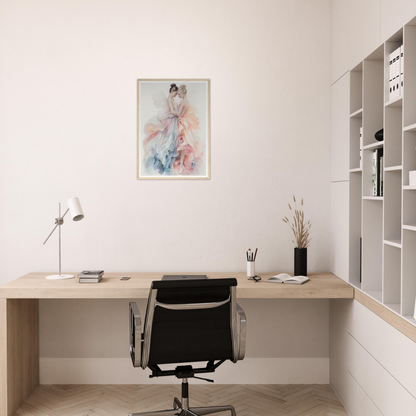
161 139
189 143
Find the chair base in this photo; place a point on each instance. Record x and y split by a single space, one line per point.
179 410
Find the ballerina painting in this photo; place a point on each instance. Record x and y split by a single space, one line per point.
173 129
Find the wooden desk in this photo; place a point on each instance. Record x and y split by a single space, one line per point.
19 315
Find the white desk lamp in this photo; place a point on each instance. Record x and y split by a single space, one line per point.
74 208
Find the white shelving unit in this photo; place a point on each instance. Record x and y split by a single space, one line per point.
384 227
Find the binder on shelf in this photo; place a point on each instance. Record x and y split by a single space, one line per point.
397 72
391 57
394 74
401 69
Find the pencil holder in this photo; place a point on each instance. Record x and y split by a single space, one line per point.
251 269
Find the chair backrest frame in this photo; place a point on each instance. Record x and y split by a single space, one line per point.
153 303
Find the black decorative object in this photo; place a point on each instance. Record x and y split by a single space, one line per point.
379 135
301 261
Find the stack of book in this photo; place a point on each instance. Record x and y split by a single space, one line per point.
91 276
396 63
378 172
412 178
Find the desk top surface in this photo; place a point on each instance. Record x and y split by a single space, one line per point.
35 286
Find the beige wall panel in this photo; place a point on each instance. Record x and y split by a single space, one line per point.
340 38
394 15
340 119
339 229
364 29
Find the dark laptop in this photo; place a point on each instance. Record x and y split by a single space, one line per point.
184 276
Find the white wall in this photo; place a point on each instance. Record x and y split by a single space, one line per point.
68 77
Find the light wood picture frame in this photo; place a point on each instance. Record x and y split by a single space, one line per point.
173 129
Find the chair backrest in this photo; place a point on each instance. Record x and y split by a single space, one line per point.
190 321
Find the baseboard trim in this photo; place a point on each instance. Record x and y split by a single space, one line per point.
248 371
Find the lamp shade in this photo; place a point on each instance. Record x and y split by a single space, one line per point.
75 209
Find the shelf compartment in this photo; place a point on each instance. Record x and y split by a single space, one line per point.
367 155
409 208
395 102
395 307
373 198
409 71
392 205
393 243
409 273
410 319
393 131
356 89
373 104
355 215
373 146
355 125
375 294
357 114
409 155
412 127
392 274
372 246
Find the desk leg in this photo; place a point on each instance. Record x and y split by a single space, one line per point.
19 352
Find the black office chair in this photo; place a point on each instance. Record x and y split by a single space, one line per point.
186 322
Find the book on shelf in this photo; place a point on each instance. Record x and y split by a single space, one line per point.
381 170
374 173
377 174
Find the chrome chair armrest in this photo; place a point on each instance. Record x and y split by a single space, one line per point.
135 335
241 331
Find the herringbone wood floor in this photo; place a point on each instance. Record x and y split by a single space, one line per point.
121 400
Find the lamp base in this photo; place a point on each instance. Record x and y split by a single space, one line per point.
60 276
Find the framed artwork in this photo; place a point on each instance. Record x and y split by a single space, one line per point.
173 129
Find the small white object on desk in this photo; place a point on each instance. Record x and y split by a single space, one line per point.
414 314
287 278
251 268
251 258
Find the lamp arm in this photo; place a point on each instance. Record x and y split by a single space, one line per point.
58 221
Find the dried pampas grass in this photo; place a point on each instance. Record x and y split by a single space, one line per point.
299 227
